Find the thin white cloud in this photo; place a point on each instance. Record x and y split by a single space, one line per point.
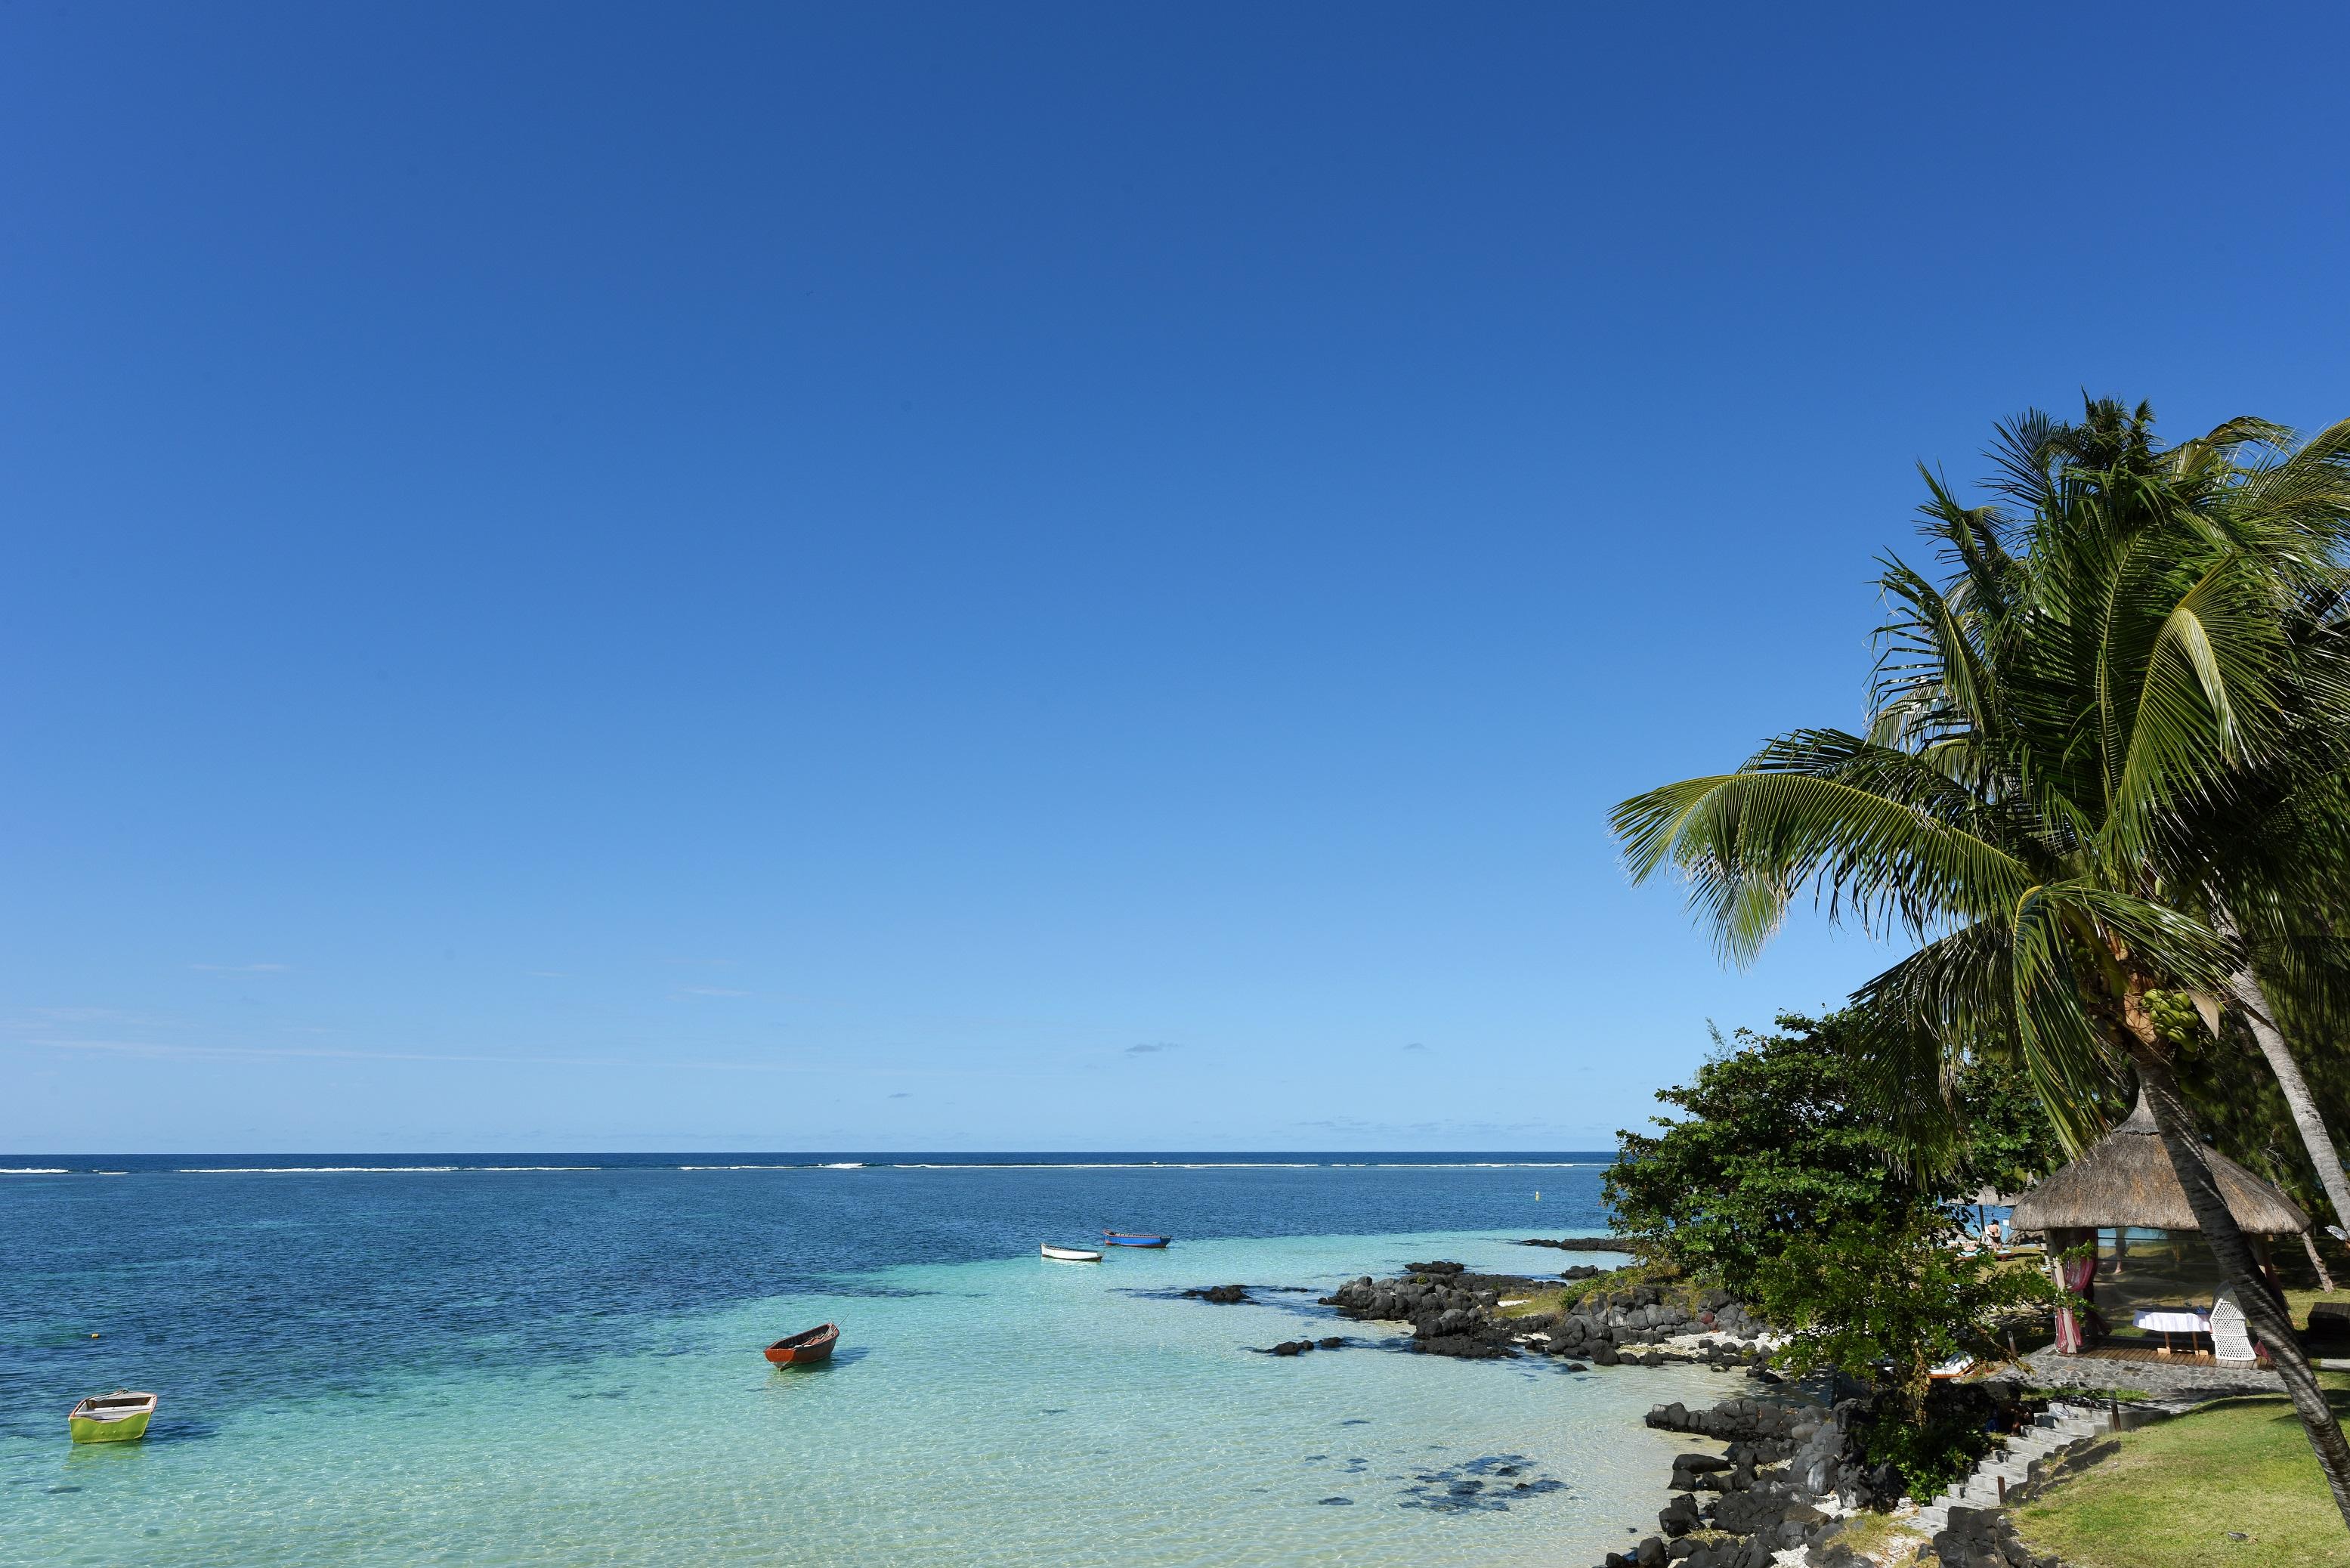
53 1016
1353 1127
148 1048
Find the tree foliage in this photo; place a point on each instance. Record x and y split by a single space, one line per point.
1889 1301
2127 651
1773 1141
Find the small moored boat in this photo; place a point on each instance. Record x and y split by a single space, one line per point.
1122 1238
1069 1254
808 1344
120 1416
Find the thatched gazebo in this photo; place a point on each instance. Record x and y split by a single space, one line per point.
2127 1181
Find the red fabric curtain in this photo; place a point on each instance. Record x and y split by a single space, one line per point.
2078 1275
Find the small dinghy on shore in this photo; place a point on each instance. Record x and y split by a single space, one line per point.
808 1344
120 1416
1069 1254
1122 1239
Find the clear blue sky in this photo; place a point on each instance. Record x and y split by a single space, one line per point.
998 577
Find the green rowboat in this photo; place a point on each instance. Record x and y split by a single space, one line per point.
120 1416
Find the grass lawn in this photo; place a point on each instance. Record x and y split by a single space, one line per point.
2171 1497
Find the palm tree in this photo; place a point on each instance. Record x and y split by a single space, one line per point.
2266 860
2123 655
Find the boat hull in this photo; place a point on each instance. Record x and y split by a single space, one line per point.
803 1348
1070 1254
129 1430
1109 1241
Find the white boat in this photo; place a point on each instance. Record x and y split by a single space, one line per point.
1069 1254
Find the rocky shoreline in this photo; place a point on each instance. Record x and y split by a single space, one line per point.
1789 1472
1792 1471
1781 1462
1792 1468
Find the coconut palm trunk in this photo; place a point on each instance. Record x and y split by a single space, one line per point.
2314 1136
2262 1315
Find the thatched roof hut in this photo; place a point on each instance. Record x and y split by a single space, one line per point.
2126 1180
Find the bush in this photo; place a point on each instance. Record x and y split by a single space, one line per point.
1939 1444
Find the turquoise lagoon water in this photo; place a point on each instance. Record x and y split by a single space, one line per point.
510 1367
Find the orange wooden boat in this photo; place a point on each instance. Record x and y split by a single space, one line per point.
809 1344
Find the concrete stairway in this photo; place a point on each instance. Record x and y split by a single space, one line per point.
2060 1427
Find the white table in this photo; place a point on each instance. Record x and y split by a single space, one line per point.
2167 1321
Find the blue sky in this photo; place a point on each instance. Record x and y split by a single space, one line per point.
1012 578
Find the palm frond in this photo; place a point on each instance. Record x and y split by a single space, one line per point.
1748 842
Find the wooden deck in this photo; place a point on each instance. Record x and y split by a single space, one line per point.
2147 1354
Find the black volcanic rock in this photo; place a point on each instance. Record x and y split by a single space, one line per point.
1222 1295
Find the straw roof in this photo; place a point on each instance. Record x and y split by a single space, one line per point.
2126 1180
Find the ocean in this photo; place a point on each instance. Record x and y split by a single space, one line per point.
554 1359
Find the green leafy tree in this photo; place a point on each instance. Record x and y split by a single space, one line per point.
1772 1140
1998 1132
1893 1301
2130 642
1890 1301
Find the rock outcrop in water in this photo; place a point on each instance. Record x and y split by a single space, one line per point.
1455 1313
1451 1312
1222 1295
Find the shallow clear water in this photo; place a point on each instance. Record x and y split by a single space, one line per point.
562 1367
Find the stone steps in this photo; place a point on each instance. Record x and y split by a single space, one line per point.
2014 1465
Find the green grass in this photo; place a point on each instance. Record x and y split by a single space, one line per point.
1563 1295
1557 1301
2299 1303
2170 1497
1875 1537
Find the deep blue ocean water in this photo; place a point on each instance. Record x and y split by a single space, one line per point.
550 1358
